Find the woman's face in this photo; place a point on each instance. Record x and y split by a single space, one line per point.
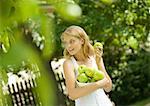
72 44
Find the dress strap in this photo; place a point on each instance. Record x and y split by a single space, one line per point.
94 64
75 65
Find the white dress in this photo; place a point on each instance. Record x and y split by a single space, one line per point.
96 98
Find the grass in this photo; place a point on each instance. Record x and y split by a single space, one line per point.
145 102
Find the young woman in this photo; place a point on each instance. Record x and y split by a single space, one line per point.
79 51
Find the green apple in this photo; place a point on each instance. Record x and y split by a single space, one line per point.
98 75
89 72
82 78
93 80
98 44
107 2
89 79
81 69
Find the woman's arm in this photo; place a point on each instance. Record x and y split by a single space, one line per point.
101 66
76 92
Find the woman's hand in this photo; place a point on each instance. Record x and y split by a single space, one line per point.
98 53
102 83
108 86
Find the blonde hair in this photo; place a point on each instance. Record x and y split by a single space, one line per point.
78 32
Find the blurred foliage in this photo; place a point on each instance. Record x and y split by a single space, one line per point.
123 26
22 26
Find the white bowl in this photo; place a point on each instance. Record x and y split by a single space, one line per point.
80 84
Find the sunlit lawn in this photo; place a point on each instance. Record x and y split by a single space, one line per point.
145 102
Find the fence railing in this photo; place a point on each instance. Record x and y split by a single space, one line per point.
23 93
20 93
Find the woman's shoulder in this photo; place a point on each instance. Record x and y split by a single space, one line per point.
67 61
68 65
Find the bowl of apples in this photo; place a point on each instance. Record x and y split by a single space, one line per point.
87 75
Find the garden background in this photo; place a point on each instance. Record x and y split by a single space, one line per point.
30 33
